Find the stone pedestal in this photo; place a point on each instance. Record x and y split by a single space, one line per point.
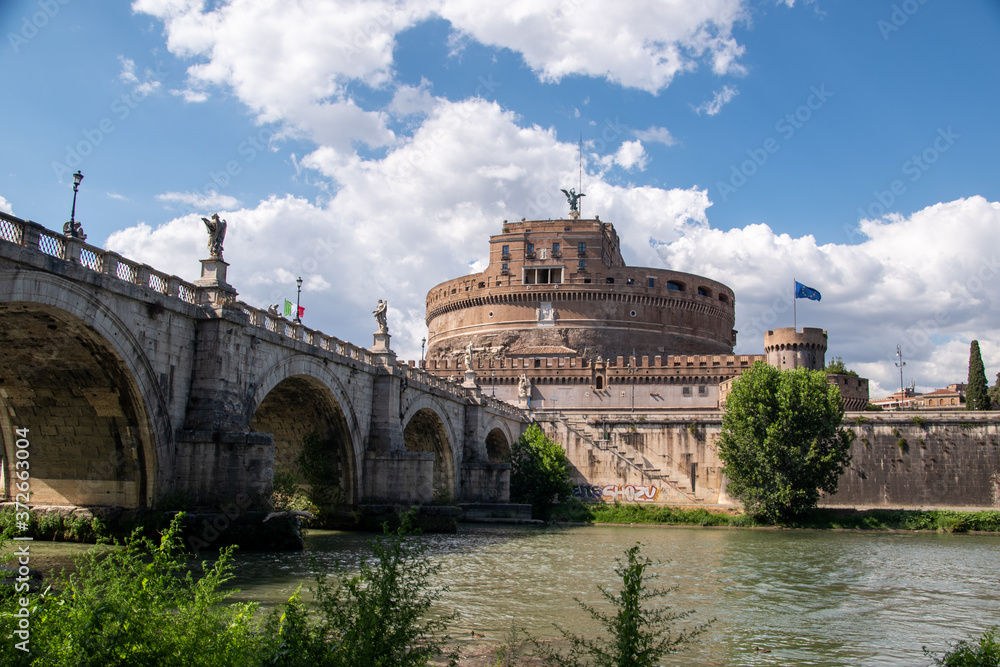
380 348
470 379
213 288
574 215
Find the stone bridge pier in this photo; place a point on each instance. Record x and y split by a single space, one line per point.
135 387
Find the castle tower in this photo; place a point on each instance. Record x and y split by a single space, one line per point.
787 348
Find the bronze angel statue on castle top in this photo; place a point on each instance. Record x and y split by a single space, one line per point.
572 197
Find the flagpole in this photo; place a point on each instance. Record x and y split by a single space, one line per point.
795 314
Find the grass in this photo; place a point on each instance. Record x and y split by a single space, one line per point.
942 521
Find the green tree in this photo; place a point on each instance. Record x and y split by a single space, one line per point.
781 441
540 472
994 393
636 635
976 393
836 365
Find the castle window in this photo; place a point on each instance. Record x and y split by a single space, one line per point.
505 268
675 286
586 281
652 282
704 291
686 391
581 248
555 249
599 383
723 298
538 363
630 281
505 252
632 313
702 390
582 265
529 250
609 281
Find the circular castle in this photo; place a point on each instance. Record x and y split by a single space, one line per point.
561 287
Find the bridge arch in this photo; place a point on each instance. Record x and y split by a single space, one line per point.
75 374
427 428
499 440
297 397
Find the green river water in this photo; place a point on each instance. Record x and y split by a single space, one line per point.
808 597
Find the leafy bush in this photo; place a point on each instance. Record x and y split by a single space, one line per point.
376 617
636 635
981 652
539 473
136 605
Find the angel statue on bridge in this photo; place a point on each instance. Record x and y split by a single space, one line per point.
216 234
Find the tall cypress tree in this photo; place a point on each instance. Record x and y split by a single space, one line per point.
976 396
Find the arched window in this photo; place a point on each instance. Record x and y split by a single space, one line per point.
675 286
599 383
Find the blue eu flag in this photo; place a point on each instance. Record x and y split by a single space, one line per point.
803 292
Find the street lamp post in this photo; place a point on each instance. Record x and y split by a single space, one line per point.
493 382
423 341
298 300
73 229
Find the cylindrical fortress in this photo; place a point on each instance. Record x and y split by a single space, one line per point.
787 348
562 287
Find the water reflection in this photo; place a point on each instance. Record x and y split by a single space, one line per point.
807 597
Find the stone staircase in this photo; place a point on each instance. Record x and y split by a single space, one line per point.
673 478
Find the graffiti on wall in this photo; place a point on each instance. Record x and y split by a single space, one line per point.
632 493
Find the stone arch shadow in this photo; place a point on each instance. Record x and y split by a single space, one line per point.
299 396
498 442
74 374
427 428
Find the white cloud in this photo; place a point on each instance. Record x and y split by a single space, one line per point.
639 45
205 201
412 99
655 134
925 282
5 206
148 84
719 99
116 196
630 155
190 95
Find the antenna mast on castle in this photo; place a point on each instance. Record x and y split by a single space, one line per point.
900 364
580 187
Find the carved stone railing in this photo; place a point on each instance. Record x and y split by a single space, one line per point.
33 236
297 331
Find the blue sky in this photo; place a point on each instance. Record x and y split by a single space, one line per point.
373 147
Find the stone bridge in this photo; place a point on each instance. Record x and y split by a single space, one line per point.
138 387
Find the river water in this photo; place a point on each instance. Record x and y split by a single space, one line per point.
806 597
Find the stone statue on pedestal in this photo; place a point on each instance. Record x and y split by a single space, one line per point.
216 227
380 316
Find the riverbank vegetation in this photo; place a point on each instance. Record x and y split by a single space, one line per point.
142 604
942 521
540 472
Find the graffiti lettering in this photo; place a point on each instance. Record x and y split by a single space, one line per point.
604 492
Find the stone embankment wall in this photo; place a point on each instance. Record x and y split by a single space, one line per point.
905 460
